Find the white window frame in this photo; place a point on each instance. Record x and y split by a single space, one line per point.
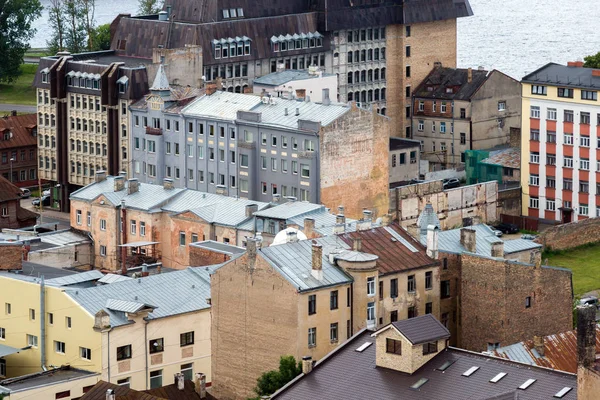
371 286
534 202
534 180
534 158
535 112
568 162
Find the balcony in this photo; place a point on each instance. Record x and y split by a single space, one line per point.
153 131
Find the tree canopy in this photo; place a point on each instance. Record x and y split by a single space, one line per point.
147 7
16 17
271 381
592 61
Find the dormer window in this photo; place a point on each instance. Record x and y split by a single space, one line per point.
218 51
225 13
449 90
232 13
122 84
45 75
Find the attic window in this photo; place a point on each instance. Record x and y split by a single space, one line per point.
563 392
364 346
470 371
419 383
446 365
430 88
449 90
45 75
527 383
497 378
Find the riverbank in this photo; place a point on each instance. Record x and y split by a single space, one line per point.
22 91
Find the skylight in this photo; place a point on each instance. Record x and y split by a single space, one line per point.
527 383
563 392
419 383
498 377
446 365
363 347
470 371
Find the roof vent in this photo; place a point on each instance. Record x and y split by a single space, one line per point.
497 378
364 346
527 383
470 371
446 365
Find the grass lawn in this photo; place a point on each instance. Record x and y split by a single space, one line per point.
21 91
585 264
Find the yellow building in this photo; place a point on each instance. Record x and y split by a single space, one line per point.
126 330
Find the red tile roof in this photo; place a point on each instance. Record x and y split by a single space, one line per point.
394 255
20 126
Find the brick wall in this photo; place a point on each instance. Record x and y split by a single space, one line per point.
449 308
493 302
10 256
9 221
200 257
574 234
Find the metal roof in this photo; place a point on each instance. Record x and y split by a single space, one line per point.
294 262
435 85
561 75
282 77
44 378
220 105
126 306
325 222
64 238
174 293
274 114
356 256
7 350
219 247
422 329
288 210
112 278
428 217
510 158
516 245
161 82
349 374
75 279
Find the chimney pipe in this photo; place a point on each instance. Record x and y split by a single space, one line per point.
123 238
133 186
211 88
251 251
586 336
357 244
276 198
180 381
326 101
145 270
292 236
340 224
470 75
297 111
538 345
200 385
317 261
119 183
168 184
432 242
307 365
309 226
110 394
340 210
285 112
100 176
365 223
468 239
251 209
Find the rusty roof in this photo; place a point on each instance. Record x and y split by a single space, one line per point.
21 127
169 392
396 249
510 157
560 351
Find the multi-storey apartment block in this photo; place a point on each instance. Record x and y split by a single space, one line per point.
463 109
18 148
560 153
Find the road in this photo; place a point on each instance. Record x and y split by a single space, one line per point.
16 107
49 216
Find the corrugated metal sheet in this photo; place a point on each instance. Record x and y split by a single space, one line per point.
7 350
125 306
279 78
76 278
64 238
112 278
515 245
220 105
289 210
274 114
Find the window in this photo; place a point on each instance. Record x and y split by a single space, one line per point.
537 89
589 95
568 162
393 346
32 340
412 287
429 348
186 339
428 280
407 67
445 289
568 117
188 371
551 137
585 141
421 125
564 92
551 114
501 105
85 353
412 312
50 319
124 352
312 304
568 138
273 164
583 209
585 118
68 322
568 184
584 187
534 134
182 238
59 347
584 164
333 300
534 158
312 337
371 311
103 250
333 332
534 180
428 308
304 171
142 228
156 379
309 145
133 227
535 112
442 128
32 314
393 288
528 302
534 202
551 182
550 205
371 286
156 345
2 334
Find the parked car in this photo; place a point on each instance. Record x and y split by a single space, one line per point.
25 193
589 300
528 236
497 232
507 228
46 192
450 183
45 200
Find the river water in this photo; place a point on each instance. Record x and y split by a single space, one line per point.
513 36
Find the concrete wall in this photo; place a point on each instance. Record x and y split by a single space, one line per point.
312 86
588 383
493 301
568 236
407 170
63 256
11 255
183 64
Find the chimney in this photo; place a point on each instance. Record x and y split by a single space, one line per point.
133 186
280 67
317 261
596 72
211 88
300 94
340 224
123 174
110 394
498 249
251 209
326 101
432 242
100 176
468 239
180 381
535 258
538 344
470 75
163 16
297 111
586 336
168 184
307 365
309 227
145 270
340 210
357 244
285 112
365 223
13 113
200 385
578 64
292 236
119 183
251 251
276 198
169 8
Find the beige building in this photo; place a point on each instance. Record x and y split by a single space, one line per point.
304 298
404 161
455 110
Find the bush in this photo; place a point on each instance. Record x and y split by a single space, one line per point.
271 381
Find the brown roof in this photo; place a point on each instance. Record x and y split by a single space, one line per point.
21 127
24 214
169 392
422 329
8 191
394 255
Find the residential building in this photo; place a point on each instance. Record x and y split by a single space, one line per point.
411 359
456 109
405 155
12 215
298 84
560 163
379 51
182 389
18 148
501 165
305 297
496 292
124 329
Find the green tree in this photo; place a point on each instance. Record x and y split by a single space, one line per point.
147 7
592 61
16 17
88 8
101 38
56 20
271 381
75 26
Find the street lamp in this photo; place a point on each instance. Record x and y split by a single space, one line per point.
11 162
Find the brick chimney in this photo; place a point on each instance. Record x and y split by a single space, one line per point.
251 209
468 239
340 224
307 365
357 244
309 228
200 384
498 249
276 198
133 186
432 242
365 223
211 88
100 176
300 94
470 75
538 345
578 64
317 261
119 183
179 381
168 184
586 336
251 246
145 270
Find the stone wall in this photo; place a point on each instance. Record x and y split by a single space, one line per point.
573 234
509 202
10 256
449 308
494 296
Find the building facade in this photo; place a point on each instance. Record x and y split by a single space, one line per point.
18 148
455 110
404 160
560 161
12 215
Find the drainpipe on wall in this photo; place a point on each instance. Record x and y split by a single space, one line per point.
123 238
108 355
146 349
43 323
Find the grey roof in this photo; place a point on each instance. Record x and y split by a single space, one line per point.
75 279
517 352
64 238
325 221
279 78
219 247
288 210
356 256
161 82
126 306
352 375
112 278
428 217
441 78
174 293
294 262
564 76
516 245
274 114
7 350
221 105
45 378
422 329
37 270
